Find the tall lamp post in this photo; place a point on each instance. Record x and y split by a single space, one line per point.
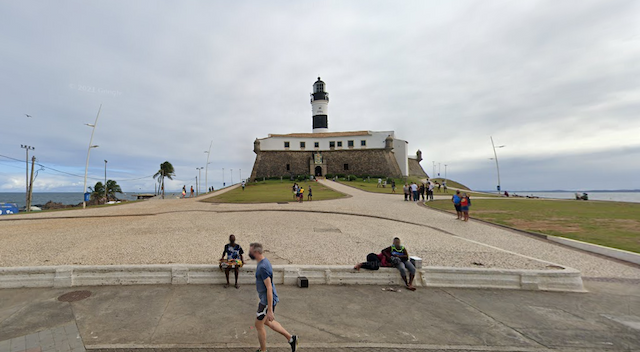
495 157
445 174
206 170
105 180
223 184
26 180
231 175
434 170
91 146
199 178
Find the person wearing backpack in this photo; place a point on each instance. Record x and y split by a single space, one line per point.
456 203
465 203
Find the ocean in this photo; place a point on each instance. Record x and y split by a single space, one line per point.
41 198
631 196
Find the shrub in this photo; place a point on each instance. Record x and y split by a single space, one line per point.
329 176
351 178
301 178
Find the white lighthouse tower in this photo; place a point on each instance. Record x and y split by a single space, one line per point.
320 107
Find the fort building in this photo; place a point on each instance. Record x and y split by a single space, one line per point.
322 152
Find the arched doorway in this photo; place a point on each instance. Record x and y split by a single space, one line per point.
319 171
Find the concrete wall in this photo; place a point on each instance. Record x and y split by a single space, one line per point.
361 162
567 279
415 169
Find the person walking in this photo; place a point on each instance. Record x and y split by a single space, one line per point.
184 191
456 204
192 191
243 185
430 191
465 203
393 186
406 191
268 300
309 195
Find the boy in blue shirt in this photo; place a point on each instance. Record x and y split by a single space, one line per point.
268 300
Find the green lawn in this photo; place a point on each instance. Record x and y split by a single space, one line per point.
372 186
610 224
273 191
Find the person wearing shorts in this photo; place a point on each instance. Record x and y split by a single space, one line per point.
456 203
268 300
465 203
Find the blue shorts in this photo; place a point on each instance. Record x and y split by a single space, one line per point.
463 209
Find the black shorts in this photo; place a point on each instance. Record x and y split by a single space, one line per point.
262 311
458 208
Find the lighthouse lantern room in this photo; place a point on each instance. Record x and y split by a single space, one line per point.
320 107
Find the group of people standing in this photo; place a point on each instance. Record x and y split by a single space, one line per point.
462 202
298 192
414 192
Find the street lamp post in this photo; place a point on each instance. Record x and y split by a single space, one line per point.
439 168
223 184
434 170
445 174
199 178
206 170
231 175
105 181
495 157
26 180
91 146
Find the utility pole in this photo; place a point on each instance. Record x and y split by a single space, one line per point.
86 167
199 177
105 182
434 170
206 170
231 173
495 155
26 179
223 184
30 193
445 173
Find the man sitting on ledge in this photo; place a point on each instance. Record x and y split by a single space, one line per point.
394 256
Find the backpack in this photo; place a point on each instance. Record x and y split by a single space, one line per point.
464 202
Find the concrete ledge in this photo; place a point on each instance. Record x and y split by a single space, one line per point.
620 254
565 279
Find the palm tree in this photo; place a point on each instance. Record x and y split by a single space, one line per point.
112 188
166 170
97 192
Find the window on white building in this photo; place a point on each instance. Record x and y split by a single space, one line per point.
332 144
286 144
316 144
363 143
339 144
303 145
350 144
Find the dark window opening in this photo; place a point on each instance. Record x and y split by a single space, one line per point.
346 167
316 144
288 167
339 144
363 143
332 144
303 144
286 144
350 143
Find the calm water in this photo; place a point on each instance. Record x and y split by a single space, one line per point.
633 197
40 198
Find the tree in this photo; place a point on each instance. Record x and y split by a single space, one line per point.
166 170
112 189
97 192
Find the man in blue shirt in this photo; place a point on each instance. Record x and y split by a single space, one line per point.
268 300
456 203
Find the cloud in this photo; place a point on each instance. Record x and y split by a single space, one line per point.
544 78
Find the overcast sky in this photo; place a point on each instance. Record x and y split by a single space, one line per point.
557 82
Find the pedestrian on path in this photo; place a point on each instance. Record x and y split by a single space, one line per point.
456 204
393 186
243 185
465 203
192 191
268 300
430 191
379 183
414 192
406 191
309 195
184 191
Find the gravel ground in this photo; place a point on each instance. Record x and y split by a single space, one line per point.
189 231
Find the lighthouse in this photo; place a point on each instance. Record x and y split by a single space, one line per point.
320 107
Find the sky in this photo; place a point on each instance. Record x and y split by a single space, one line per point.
556 82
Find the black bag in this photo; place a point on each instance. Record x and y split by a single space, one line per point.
372 263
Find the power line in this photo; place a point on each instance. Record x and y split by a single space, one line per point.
70 174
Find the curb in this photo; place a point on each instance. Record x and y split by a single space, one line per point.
626 257
564 280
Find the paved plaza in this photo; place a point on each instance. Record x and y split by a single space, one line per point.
328 318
